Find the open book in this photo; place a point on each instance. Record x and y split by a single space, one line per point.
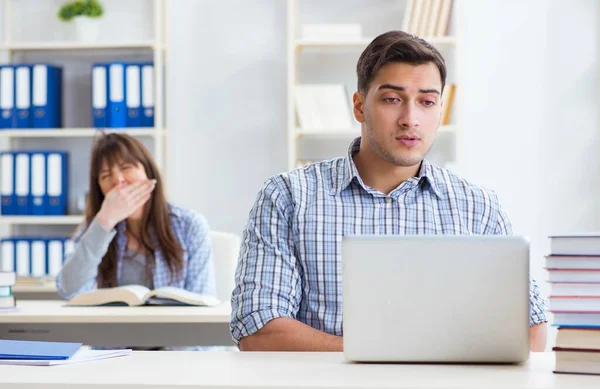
134 295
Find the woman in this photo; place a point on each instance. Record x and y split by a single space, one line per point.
131 235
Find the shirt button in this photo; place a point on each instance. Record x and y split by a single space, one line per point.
388 200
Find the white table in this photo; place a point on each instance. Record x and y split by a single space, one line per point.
165 369
146 326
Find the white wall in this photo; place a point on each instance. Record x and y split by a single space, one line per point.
226 105
530 121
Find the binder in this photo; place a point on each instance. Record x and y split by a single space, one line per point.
38 198
116 92
57 183
22 173
7 96
100 112
68 248
23 257
38 258
147 119
23 96
8 259
133 92
47 96
55 255
32 350
7 184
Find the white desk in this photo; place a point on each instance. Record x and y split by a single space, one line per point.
147 326
158 370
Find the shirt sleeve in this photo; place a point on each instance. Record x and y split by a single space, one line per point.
268 280
200 274
537 305
80 269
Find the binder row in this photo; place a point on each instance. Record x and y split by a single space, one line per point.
34 182
123 94
30 96
34 257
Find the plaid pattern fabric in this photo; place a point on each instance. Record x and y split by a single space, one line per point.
290 259
192 232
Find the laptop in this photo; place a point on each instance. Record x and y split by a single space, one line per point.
436 298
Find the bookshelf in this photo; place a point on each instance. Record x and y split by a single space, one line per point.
323 51
54 43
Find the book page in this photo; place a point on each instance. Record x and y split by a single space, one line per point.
183 296
129 295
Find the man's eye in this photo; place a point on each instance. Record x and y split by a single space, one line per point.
391 99
429 103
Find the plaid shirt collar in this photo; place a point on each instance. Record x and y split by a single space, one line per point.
347 171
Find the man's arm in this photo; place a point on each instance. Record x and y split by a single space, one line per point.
285 334
268 288
537 337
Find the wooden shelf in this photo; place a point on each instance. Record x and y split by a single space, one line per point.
362 43
77 132
66 45
34 287
42 220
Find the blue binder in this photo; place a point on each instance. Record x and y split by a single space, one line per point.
117 95
23 96
7 183
7 96
147 73
38 195
57 178
47 96
133 95
42 351
22 182
100 111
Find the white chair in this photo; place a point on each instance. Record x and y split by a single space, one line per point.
225 249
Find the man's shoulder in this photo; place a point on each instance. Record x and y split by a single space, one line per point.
456 186
322 173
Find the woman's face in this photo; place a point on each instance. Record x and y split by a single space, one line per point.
120 175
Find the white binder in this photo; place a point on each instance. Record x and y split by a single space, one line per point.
55 257
23 260
38 258
7 262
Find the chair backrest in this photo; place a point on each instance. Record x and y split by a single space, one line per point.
226 248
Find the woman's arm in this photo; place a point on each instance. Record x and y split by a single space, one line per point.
80 270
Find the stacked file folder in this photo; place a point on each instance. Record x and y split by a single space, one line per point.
574 274
34 182
30 96
123 94
7 282
34 257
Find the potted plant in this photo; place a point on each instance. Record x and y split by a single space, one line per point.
85 15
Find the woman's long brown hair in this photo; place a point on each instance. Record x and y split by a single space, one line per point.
114 148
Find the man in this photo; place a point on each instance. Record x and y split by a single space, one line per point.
288 293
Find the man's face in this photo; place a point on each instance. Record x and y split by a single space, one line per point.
401 112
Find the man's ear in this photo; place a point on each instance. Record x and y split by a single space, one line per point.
358 102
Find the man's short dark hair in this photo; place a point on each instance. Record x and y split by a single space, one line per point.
396 46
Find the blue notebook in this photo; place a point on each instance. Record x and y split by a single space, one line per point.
41 351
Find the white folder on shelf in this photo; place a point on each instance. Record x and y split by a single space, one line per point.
7 261
23 258
38 258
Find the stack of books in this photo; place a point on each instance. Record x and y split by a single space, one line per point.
7 282
574 275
